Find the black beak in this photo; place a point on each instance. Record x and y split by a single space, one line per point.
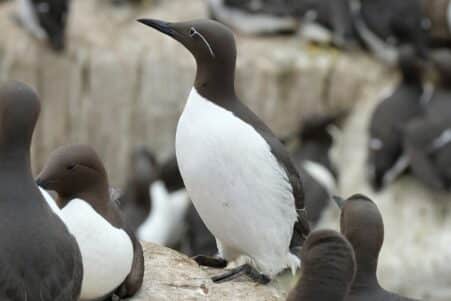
39 182
161 26
339 201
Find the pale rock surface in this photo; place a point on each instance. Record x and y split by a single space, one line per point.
171 276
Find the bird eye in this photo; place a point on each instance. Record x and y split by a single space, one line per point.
70 167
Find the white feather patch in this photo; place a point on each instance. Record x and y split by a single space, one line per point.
107 252
29 19
164 226
321 174
50 201
442 140
315 32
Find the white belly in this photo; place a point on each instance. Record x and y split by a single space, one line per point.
239 189
107 252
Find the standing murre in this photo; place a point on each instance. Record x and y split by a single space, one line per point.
112 257
237 173
428 138
135 201
328 268
46 19
386 159
40 259
312 159
361 223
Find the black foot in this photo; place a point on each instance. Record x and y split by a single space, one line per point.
244 269
210 261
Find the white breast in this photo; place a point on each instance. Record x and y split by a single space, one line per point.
107 252
50 201
321 174
164 226
238 187
29 19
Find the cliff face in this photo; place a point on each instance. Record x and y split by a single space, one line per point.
121 84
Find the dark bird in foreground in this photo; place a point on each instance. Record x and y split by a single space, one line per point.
328 268
39 258
113 259
361 223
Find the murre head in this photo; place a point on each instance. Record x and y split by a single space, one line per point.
328 268
412 66
143 168
19 112
212 45
361 223
52 16
75 171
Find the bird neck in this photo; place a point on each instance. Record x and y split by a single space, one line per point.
216 81
318 290
97 194
365 277
15 161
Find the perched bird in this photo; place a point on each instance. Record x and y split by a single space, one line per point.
112 257
361 223
135 202
328 268
311 156
386 159
428 138
46 19
40 259
237 173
